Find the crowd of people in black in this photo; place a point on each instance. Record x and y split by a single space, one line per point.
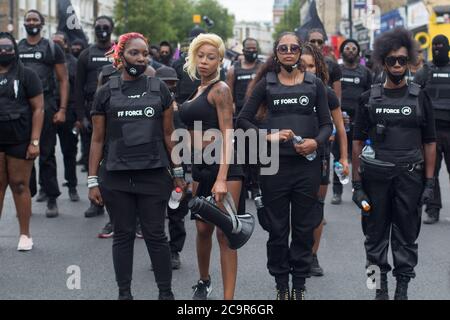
389 118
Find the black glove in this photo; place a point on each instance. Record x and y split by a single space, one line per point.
428 191
359 195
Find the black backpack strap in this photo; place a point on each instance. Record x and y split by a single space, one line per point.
376 92
414 89
114 83
309 78
271 78
51 44
154 85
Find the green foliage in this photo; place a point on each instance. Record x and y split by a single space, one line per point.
291 19
171 19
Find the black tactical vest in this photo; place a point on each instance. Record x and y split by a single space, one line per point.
438 86
134 129
15 116
96 60
401 140
354 83
108 71
292 107
242 78
40 58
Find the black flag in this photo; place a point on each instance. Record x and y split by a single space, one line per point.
68 21
312 21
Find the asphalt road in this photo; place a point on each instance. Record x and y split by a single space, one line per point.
70 240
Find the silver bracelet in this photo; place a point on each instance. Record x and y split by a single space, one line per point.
92 182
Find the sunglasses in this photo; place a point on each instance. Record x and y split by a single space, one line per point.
392 61
7 48
316 41
102 28
285 49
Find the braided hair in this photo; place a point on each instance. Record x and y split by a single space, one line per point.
319 61
117 50
16 71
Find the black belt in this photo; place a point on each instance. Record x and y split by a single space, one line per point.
411 166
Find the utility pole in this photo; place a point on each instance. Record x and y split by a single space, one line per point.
350 19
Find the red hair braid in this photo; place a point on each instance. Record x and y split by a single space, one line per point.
118 49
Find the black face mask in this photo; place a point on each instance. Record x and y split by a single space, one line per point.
7 59
165 58
76 53
103 34
134 70
349 58
440 55
33 30
396 79
250 56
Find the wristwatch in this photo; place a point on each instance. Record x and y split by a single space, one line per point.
35 143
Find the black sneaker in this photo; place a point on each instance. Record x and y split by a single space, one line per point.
107 231
94 211
298 294
337 199
73 194
283 294
125 295
176 263
52 208
42 196
202 289
139 231
166 295
316 269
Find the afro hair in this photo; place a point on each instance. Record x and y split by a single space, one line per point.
394 40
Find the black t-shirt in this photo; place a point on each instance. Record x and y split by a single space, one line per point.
246 117
31 85
129 88
334 71
361 128
333 100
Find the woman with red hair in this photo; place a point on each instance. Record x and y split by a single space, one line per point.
128 164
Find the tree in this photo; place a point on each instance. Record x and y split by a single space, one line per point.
223 21
290 19
151 18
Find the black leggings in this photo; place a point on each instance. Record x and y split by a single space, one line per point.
124 208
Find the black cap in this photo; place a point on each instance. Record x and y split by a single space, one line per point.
341 48
195 32
166 74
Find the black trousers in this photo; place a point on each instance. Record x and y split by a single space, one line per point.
442 153
69 143
177 229
395 219
47 160
124 208
290 200
337 185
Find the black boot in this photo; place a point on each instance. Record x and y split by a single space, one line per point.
382 293
125 294
166 295
94 211
298 294
283 294
431 216
316 270
52 208
401 291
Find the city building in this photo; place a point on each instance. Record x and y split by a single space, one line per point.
279 7
258 30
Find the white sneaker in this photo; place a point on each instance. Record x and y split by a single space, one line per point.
25 243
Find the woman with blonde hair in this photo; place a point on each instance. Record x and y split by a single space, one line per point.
212 105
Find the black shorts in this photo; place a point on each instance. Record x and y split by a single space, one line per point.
325 167
206 175
18 151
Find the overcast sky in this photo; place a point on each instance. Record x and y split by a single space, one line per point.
249 10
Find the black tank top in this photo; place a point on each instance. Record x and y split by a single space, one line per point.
200 109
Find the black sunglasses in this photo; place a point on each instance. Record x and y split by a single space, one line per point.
392 61
285 49
317 41
102 28
7 48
